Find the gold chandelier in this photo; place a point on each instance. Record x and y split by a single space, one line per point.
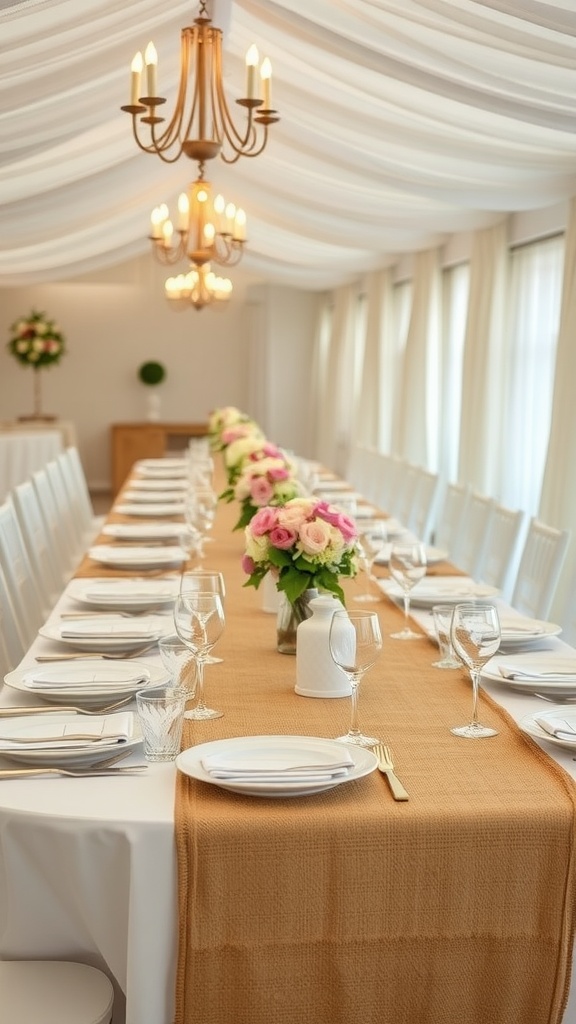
209 230
201 126
198 288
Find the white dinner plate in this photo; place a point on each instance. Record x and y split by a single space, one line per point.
152 497
433 555
553 674
518 631
143 531
163 484
159 508
65 682
562 711
440 590
123 594
161 466
106 632
136 556
83 754
317 750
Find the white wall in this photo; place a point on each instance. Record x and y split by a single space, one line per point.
114 321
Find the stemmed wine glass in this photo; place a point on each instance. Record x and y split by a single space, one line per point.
199 622
371 545
407 566
355 643
476 638
200 512
208 580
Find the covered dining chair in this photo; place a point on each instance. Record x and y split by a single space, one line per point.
54 992
541 562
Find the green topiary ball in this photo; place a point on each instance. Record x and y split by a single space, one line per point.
151 373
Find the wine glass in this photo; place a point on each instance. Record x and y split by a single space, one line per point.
370 546
200 512
208 580
199 622
355 643
476 638
407 566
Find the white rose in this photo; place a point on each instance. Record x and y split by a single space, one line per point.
22 346
41 327
38 345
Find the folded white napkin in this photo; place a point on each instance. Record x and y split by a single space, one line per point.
86 680
512 625
128 588
81 732
153 496
557 727
108 627
547 668
161 509
282 767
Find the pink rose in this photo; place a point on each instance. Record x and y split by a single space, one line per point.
340 520
314 537
265 520
261 490
282 538
271 450
278 474
248 564
294 513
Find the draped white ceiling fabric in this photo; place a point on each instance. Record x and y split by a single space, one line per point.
402 122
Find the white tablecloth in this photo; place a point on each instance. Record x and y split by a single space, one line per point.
22 453
89 870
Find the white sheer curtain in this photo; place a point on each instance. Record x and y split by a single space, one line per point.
482 379
558 502
335 390
455 294
374 411
533 316
418 393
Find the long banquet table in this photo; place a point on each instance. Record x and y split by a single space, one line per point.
344 906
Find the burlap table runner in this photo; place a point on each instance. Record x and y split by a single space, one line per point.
347 907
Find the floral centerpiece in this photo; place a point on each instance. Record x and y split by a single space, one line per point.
265 481
36 341
307 543
227 424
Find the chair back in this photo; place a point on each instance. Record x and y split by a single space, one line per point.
37 543
451 519
501 549
541 562
12 642
471 548
20 578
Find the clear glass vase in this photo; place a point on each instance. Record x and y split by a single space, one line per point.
290 615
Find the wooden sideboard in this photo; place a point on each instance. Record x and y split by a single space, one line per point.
150 440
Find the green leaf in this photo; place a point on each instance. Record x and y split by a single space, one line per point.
294 583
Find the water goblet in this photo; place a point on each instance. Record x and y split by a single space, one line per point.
407 566
442 615
199 622
200 512
355 643
204 579
371 545
476 638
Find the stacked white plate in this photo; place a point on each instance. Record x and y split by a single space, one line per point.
107 632
441 590
151 497
143 531
276 766
132 556
432 555
162 467
124 594
87 683
163 484
67 739
518 631
548 672
151 509
556 725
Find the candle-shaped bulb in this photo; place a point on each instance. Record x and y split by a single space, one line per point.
135 75
167 232
230 216
156 219
240 226
209 233
251 65
151 60
163 211
266 77
183 212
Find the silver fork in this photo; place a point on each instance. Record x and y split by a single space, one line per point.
59 708
108 767
386 766
133 652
